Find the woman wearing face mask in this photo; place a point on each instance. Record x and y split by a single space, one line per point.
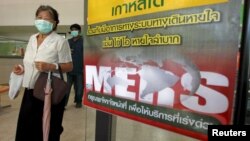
45 51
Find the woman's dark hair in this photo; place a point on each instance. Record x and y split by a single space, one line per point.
51 11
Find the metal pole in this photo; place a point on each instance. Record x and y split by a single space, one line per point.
243 74
103 129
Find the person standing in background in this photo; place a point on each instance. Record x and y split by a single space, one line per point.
46 51
76 75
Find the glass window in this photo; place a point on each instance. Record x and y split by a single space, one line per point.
11 47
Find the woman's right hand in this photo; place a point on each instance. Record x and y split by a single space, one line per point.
18 69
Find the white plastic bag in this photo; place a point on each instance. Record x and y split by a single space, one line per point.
15 84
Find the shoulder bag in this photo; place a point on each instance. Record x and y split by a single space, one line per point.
58 85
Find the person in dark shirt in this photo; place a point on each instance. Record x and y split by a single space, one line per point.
76 75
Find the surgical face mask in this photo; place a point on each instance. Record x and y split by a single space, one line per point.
74 33
43 26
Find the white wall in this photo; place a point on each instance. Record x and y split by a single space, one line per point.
22 12
6 67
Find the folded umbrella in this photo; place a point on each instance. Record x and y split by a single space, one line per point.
47 109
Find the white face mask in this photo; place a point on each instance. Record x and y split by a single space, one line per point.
43 26
74 33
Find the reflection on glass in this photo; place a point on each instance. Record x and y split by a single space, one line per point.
12 48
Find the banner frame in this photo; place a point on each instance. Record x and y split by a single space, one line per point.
243 73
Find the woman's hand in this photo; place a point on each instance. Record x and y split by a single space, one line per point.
18 69
43 66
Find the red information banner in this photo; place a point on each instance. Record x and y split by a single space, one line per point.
173 69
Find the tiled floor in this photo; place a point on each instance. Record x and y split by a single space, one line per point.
79 125
73 122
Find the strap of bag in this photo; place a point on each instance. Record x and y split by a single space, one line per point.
60 71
